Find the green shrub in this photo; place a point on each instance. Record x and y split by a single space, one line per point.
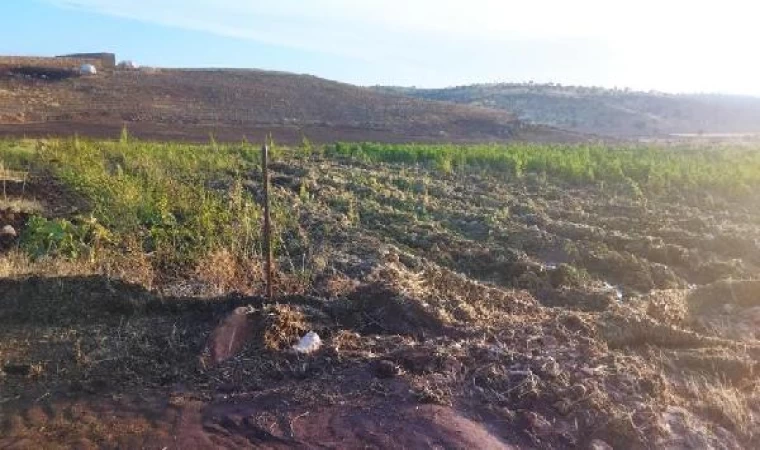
60 237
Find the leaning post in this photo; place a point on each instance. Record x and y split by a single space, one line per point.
267 220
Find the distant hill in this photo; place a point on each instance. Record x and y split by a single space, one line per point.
609 112
191 104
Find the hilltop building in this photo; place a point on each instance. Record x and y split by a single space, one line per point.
105 60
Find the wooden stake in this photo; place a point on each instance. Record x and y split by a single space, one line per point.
267 220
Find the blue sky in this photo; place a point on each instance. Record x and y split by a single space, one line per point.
674 45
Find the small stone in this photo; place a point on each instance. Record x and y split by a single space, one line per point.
598 444
9 231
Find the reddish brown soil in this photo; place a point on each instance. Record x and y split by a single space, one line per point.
155 395
228 338
269 422
373 424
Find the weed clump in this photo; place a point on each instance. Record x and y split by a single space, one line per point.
61 237
281 326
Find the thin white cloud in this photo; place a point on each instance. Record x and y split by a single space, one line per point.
493 19
646 42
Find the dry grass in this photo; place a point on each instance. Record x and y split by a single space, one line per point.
282 326
667 306
15 176
23 205
725 404
126 265
226 273
15 264
129 264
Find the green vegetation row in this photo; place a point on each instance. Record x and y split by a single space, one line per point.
176 202
179 202
729 171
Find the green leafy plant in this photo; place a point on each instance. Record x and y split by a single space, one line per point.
61 237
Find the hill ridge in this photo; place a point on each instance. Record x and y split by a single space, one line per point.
232 103
606 112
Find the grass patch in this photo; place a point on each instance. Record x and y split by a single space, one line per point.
180 202
730 171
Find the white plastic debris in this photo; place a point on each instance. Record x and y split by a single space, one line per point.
616 289
8 230
309 343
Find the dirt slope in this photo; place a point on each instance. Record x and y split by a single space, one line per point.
191 104
607 112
